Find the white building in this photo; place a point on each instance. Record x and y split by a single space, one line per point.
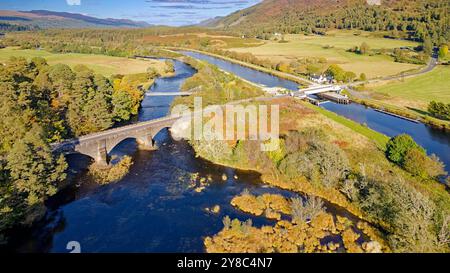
321 79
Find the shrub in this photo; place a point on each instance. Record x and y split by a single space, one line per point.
113 174
348 188
298 210
406 213
283 67
362 77
246 226
245 192
398 146
364 48
444 231
295 140
302 212
319 161
405 152
417 163
413 220
349 76
226 222
332 162
439 110
277 155
314 206
335 71
443 51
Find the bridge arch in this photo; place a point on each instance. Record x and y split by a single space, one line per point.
144 139
99 145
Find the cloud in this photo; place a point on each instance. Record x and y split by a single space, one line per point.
73 2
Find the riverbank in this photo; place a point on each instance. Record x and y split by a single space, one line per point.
409 114
301 186
379 138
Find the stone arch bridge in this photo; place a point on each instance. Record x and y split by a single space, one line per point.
99 145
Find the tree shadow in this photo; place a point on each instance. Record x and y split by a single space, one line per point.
419 111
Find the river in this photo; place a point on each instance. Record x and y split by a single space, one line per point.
434 141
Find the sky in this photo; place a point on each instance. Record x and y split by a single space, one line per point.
159 12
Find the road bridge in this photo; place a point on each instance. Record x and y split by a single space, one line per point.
99 145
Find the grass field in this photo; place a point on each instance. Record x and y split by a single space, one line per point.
105 65
197 39
379 138
338 42
416 92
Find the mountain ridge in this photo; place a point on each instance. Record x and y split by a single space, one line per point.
54 19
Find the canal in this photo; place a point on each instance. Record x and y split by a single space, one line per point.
434 141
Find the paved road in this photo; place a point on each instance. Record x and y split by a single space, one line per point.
431 65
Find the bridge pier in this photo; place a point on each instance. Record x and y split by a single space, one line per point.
146 142
102 158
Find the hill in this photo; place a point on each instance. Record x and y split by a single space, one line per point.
413 19
53 19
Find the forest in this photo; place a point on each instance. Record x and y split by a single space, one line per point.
6 27
416 20
42 104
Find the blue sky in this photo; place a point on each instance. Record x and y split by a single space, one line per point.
166 12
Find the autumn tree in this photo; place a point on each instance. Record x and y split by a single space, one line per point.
443 51
439 110
336 72
399 146
418 163
364 48
427 45
349 76
122 105
363 77
32 167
